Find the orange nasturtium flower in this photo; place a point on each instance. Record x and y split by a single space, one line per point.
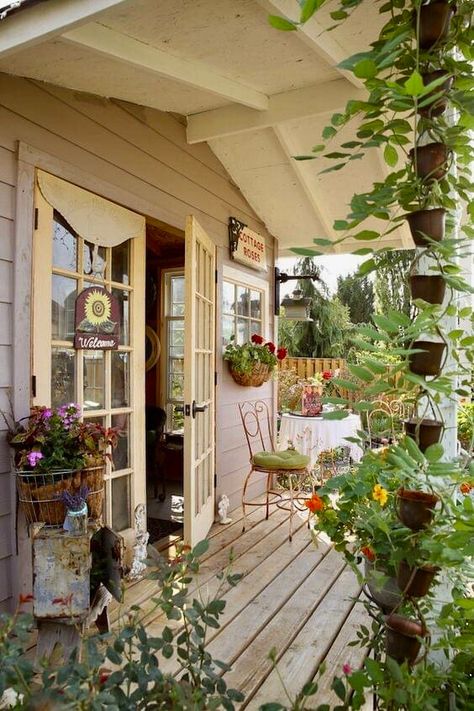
315 503
466 488
380 494
368 553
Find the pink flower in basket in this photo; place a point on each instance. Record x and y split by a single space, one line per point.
33 458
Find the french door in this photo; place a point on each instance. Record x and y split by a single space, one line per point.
199 390
107 385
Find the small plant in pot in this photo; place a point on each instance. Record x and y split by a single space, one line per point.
253 363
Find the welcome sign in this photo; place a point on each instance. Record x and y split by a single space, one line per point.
97 320
247 246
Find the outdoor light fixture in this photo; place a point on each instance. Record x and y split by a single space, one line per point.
297 307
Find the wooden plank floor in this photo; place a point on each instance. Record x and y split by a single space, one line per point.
296 597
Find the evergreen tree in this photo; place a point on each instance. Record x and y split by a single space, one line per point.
358 295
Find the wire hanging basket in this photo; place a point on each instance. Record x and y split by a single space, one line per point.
259 374
39 494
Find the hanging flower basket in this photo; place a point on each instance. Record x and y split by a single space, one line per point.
39 493
259 374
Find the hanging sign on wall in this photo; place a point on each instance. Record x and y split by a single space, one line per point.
97 320
247 246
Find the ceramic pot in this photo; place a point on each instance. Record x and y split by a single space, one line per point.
415 509
435 21
425 432
386 594
402 635
429 223
438 106
429 361
431 161
415 582
429 288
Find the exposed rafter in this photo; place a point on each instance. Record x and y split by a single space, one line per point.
313 34
39 23
323 98
290 149
128 50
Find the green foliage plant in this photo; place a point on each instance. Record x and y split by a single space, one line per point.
242 358
124 669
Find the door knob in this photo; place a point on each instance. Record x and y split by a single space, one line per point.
197 408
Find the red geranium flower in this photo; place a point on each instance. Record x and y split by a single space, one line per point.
327 375
465 488
282 353
270 346
315 503
368 552
257 339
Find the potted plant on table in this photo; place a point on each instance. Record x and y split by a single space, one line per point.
253 363
56 457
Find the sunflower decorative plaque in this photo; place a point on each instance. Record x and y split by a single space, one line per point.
97 320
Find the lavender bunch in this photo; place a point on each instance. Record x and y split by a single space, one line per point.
75 502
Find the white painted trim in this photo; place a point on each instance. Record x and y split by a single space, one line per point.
323 98
38 24
314 35
121 47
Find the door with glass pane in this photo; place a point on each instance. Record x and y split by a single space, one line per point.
107 385
199 390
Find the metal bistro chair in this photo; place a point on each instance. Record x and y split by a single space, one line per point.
264 458
384 422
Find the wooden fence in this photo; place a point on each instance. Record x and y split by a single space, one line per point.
307 367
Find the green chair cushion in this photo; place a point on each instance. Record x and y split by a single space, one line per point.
288 459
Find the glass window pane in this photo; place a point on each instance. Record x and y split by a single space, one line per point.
255 327
242 331
176 333
176 387
256 304
243 301
121 503
121 263
228 298
177 365
124 310
121 454
93 261
94 379
63 371
62 308
120 379
64 245
177 296
228 329
175 418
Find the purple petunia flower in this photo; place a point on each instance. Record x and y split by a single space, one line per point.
33 458
47 414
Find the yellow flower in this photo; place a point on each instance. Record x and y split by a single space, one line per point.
380 494
97 307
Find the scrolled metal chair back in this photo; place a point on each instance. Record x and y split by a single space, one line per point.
257 424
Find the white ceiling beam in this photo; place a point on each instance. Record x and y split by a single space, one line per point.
37 24
132 52
313 34
323 98
290 149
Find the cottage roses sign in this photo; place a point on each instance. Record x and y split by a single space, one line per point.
247 246
97 320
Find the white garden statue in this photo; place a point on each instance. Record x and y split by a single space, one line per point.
222 508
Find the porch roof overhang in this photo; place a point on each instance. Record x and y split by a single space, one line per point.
257 96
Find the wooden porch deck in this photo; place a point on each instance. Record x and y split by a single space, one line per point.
294 597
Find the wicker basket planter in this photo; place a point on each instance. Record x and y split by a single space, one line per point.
260 374
39 493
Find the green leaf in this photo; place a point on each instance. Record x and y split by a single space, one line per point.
280 23
328 132
336 415
304 252
434 452
414 85
360 372
385 323
303 157
308 9
363 406
390 155
365 69
339 688
363 251
346 384
366 267
455 334
200 548
367 235
322 242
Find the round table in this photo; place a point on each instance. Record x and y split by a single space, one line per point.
312 435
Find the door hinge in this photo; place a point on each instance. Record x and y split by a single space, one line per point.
33 386
215 481
36 218
216 276
215 377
